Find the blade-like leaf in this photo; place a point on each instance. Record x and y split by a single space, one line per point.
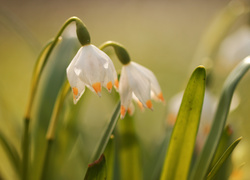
128 150
51 81
105 138
182 142
222 159
204 160
109 153
97 170
225 141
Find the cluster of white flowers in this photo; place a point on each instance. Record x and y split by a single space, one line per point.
92 68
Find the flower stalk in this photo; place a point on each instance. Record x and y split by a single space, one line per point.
34 83
52 126
120 51
84 38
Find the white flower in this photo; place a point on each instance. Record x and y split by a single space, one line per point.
93 68
138 81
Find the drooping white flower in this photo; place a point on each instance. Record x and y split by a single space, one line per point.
138 81
93 68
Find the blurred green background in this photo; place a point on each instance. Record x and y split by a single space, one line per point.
161 35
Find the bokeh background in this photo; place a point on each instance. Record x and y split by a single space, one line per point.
161 35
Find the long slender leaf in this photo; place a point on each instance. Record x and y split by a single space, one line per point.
109 153
225 141
222 159
105 138
182 142
51 82
102 142
97 170
204 160
128 150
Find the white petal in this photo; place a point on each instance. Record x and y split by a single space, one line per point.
94 68
90 66
76 84
110 76
72 63
139 84
131 109
125 90
140 105
155 87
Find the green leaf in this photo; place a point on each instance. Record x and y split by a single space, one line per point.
107 133
97 170
160 155
109 153
182 142
128 150
52 79
222 159
225 141
204 160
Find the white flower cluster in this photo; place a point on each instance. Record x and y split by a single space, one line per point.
92 68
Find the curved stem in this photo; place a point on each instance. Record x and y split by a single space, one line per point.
34 82
120 51
83 37
57 107
52 126
36 77
41 62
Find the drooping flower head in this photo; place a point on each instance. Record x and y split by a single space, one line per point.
90 67
139 82
136 82
93 68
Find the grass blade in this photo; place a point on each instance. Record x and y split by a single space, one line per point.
128 150
182 142
222 159
105 138
97 170
205 158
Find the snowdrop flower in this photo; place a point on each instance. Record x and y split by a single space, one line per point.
93 68
138 81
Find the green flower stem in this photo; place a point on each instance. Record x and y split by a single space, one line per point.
57 107
52 126
128 150
25 149
120 51
84 38
35 79
49 144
